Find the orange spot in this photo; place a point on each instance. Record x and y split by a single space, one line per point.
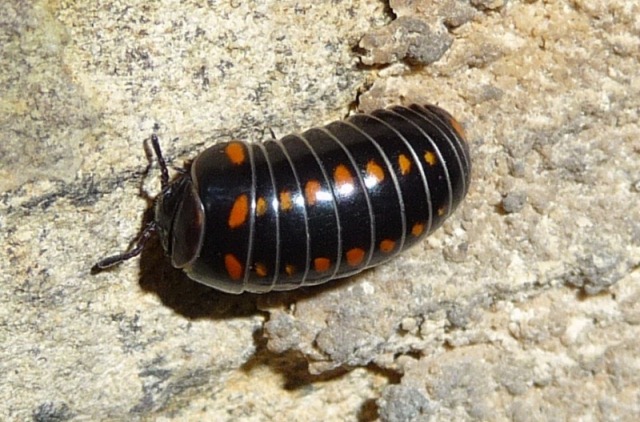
233 266
387 245
405 164
458 128
235 152
261 207
355 256
375 171
342 175
239 211
289 269
321 264
441 211
417 229
311 190
261 269
430 158
285 201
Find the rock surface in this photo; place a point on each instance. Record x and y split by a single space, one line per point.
524 306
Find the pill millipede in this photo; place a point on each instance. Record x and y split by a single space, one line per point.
310 207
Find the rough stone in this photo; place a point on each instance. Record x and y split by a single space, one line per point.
513 202
406 38
403 404
526 315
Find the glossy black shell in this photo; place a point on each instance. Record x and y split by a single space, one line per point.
315 206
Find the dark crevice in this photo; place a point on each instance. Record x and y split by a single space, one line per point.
388 10
292 366
354 106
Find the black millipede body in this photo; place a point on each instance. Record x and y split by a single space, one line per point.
310 207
